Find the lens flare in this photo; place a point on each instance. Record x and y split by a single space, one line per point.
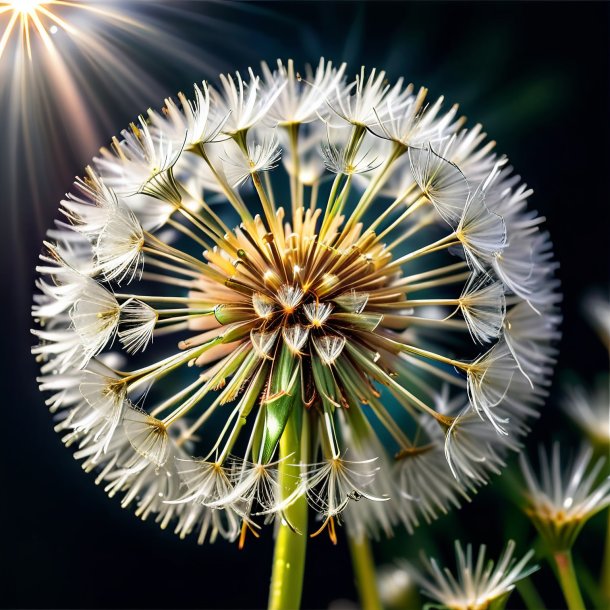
30 15
40 73
70 69
53 54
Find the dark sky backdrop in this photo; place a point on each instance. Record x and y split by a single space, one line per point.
535 74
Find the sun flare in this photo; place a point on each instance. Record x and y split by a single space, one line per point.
26 6
28 17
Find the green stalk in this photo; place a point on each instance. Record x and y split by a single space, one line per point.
590 587
295 180
364 571
567 579
529 594
291 541
605 575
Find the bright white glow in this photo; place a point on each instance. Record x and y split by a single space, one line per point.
28 16
51 54
25 6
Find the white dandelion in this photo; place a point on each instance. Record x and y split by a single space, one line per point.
478 582
297 335
561 498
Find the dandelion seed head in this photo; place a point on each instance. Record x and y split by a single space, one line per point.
561 495
477 582
316 248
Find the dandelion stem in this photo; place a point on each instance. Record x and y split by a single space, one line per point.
529 594
295 186
605 575
235 201
567 579
291 541
186 231
591 588
374 186
268 208
364 572
330 205
313 201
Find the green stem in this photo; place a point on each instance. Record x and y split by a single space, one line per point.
364 571
375 185
605 575
291 541
590 587
567 579
529 594
295 178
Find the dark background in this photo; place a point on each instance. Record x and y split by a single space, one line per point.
536 75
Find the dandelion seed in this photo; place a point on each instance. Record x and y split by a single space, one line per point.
340 160
482 232
260 156
189 126
140 163
440 181
148 436
138 321
300 99
95 317
244 103
483 306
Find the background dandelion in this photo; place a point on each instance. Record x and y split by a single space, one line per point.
547 79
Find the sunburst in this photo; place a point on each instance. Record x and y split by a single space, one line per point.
38 70
67 68
33 16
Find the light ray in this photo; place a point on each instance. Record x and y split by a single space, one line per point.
68 69
8 30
